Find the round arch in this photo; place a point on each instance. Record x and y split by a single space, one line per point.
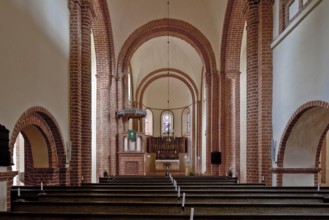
46 124
146 81
163 27
303 138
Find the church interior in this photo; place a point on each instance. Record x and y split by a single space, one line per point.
111 90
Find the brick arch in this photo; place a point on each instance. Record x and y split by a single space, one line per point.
103 37
164 75
288 130
163 27
232 36
142 87
48 127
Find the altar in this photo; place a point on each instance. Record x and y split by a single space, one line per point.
162 165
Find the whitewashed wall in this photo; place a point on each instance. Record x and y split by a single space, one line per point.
300 66
34 59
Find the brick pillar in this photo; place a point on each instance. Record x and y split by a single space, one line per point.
106 121
232 125
324 161
208 128
252 90
75 90
265 82
86 16
114 126
215 120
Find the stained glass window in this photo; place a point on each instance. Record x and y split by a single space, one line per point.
149 122
167 120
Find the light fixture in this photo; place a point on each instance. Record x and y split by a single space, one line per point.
168 72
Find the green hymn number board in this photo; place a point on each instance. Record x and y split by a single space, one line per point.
132 135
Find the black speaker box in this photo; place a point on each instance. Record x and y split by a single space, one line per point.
216 157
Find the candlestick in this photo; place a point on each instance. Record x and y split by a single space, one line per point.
178 192
192 214
183 202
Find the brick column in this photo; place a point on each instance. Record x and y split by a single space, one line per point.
75 90
105 121
252 90
324 161
232 121
265 82
114 125
86 16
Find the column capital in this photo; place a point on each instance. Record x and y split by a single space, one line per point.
73 3
89 5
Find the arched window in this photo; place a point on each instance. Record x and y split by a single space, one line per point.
167 122
186 121
149 122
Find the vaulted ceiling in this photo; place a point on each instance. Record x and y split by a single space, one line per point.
205 15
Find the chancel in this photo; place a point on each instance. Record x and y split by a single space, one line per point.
125 97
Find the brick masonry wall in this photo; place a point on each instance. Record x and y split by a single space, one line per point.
252 91
106 88
75 91
230 86
265 82
86 19
324 161
131 164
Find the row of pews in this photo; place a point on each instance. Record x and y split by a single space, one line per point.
166 197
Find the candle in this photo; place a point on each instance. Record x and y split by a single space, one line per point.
19 192
318 186
41 186
183 202
192 214
178 192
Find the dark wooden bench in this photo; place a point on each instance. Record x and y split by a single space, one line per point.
171 208
122 216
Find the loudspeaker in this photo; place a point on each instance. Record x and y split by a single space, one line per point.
216 157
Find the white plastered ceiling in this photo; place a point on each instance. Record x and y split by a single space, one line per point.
205 15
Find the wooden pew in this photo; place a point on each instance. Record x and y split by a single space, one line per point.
171 208
123 216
